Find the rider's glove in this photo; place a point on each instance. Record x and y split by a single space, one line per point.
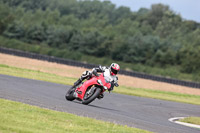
116 84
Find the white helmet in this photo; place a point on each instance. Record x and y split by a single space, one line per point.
114 68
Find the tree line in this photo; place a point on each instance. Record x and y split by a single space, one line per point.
156 37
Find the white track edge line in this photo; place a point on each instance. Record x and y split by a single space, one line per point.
175 120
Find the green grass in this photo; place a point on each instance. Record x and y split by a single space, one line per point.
156 94
171 96
32 74
17 117
192 120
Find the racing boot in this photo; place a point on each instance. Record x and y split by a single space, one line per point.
77 82
100 96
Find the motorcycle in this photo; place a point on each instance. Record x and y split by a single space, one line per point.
90 89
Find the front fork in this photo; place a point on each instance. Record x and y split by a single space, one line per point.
90 92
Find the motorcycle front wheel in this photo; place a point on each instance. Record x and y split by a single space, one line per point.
90 95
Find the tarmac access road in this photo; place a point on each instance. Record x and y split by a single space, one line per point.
144 113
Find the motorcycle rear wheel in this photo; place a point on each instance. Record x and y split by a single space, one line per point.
70 94
91 98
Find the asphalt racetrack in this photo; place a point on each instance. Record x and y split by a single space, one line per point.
144 113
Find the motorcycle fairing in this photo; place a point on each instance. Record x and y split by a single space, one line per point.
91 82
85 85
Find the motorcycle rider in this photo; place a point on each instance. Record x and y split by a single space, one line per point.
107 71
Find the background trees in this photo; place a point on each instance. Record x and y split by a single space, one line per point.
155 37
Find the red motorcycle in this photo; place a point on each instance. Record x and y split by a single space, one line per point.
90 89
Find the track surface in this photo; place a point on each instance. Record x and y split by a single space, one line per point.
144 113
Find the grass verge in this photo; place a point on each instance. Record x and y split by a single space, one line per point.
163 95
192 120
32 74
18 117
37 75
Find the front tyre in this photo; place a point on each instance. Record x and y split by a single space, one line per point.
70 94
91 96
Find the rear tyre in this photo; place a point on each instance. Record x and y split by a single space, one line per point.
70 94
88 98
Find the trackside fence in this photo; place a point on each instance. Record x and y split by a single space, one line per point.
89 66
